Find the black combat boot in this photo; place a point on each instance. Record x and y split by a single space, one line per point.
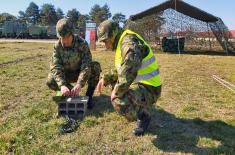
143 121
69 126
89 93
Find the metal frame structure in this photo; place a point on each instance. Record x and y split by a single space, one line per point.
201 29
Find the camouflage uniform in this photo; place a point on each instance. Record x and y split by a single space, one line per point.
132 98
72 64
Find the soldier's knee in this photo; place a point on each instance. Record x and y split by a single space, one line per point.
49 84
52 84
95 66
95 63
124 109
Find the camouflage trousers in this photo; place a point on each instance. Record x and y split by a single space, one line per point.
73 77
138 99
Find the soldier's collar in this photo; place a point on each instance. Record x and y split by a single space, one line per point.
117 37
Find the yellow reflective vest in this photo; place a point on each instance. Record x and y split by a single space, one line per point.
148 73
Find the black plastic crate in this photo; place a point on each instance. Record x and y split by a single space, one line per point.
74 107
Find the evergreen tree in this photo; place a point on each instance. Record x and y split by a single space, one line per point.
6 17
119 18
22 15
73 15
59 13
98 14
48 15
32 13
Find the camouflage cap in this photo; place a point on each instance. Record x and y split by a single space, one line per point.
107 29
64 27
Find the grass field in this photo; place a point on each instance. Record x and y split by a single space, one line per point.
195 115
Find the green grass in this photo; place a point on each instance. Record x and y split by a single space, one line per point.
195 115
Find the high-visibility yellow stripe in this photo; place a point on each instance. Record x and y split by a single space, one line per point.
147 62
148 73
147 76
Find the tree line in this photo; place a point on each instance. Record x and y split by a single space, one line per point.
47 14
149 27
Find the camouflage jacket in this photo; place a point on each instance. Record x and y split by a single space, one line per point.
133 52
73 59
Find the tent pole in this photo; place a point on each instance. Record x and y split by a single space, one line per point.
209 35
177 32
225 43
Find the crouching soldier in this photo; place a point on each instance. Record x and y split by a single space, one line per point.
136 85
72 62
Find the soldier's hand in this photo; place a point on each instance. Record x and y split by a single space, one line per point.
100 85
65 91
113 96
76 90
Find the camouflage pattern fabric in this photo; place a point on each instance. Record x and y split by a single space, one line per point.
171 45
139 98
132 98
110 79
107 29
72 64
64 28
72 77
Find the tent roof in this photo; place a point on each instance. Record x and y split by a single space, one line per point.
181 7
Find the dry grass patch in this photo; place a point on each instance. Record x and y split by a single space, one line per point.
195 115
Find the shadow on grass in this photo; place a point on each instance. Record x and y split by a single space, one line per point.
191 135
210 53
102 104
